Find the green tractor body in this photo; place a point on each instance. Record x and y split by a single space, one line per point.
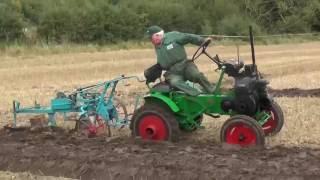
248 97
253 113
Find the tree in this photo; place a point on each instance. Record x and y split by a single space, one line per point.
11 22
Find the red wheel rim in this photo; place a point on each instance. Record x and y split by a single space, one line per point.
269 126
98 126
153 127
92 130
241 134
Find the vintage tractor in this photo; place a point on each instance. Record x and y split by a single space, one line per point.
253 113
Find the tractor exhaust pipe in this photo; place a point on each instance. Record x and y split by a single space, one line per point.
253 52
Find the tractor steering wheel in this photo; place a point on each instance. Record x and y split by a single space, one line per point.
202 48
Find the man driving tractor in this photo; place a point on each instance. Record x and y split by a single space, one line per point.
172 57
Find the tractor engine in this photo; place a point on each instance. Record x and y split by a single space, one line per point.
246 98
250 93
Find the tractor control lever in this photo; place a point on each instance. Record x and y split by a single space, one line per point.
206 43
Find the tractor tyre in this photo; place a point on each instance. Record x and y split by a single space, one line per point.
155 121
242 130
275 123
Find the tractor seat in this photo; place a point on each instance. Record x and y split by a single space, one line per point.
163 87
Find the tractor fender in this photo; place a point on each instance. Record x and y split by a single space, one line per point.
172 105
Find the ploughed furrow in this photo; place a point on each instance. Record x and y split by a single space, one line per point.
60 153
295 92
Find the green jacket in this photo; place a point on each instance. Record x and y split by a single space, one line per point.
172 51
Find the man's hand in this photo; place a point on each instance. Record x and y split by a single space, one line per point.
207 41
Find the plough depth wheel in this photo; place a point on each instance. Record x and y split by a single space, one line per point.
99 126
90 128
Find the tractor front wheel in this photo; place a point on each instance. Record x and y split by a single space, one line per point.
154 121
242 130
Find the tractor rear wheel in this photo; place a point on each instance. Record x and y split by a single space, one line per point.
242 130
155 121
275 123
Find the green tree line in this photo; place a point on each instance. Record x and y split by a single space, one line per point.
109 21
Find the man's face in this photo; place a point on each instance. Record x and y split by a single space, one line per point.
156 38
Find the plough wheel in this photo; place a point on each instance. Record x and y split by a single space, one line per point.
91 128
154 121
99 126
242 130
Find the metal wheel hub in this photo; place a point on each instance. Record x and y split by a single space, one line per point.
241 134
153 127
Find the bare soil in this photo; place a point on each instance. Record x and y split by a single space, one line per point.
57 152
